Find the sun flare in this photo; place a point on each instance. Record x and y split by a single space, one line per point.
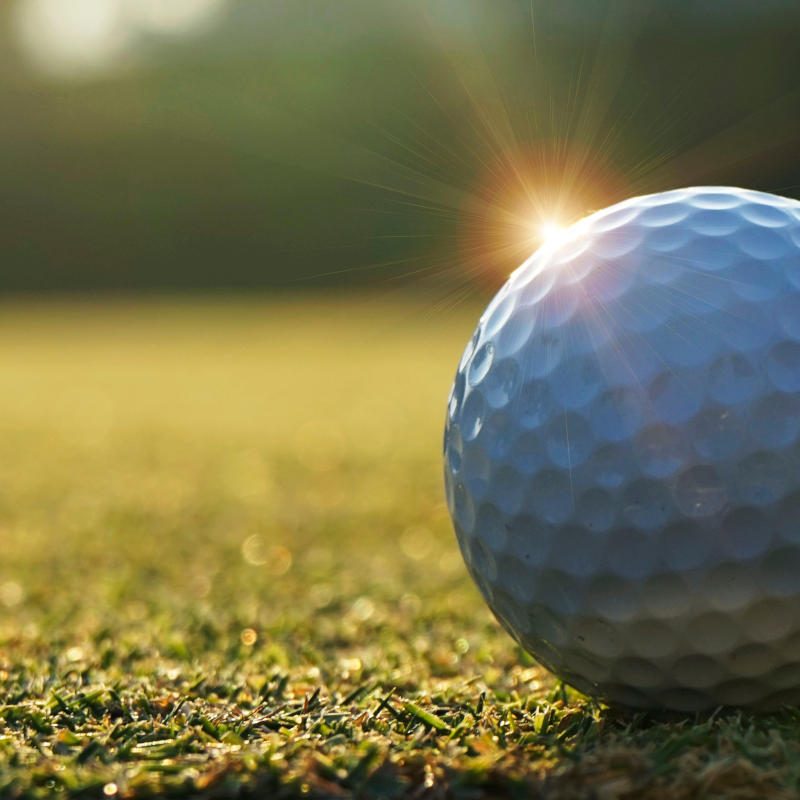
552 232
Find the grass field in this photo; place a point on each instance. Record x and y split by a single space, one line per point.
227 569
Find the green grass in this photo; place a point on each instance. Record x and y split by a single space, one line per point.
227 569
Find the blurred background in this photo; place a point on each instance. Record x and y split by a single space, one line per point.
206 144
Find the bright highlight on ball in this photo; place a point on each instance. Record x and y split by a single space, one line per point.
622 451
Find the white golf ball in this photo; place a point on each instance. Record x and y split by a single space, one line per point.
622 452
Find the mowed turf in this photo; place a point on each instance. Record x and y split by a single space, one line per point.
227 570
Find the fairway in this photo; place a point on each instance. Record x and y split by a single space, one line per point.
227 569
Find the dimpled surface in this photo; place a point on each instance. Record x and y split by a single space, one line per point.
622 452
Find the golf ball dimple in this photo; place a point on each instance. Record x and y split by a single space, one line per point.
622 452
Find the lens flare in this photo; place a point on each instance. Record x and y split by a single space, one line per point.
530 198
552 232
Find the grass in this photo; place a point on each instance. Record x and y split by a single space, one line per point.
227 570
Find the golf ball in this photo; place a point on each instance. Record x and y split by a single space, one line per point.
622 452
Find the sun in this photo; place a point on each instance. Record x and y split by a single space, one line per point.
552 232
